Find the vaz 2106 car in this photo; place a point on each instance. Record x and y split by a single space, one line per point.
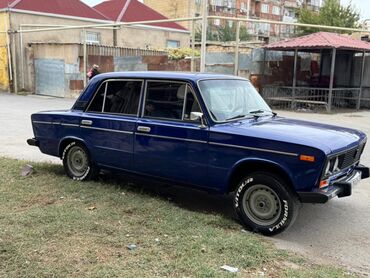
205 131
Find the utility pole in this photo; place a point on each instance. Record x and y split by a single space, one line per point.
204 37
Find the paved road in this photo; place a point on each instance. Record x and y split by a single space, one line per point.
337 232
15 124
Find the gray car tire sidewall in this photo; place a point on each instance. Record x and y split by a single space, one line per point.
87 175
288 202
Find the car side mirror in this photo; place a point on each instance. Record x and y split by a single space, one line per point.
198 117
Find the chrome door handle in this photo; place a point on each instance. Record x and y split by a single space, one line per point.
86 122
144 129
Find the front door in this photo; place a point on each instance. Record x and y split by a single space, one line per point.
168 143
109 123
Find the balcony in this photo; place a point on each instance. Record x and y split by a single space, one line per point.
292 5
289 19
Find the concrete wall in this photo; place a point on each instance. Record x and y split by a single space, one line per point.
65 36
150 37
137 37
4 75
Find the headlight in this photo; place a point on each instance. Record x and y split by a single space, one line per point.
332 166
335 166
327 169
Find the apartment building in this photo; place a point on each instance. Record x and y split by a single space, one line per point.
276 10
177 9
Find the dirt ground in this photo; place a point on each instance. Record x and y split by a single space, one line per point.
335 233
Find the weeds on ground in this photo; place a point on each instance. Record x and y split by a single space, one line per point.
53 226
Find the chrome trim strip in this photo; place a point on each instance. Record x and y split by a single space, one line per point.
46 123
71 125
109 130
253 149
172 138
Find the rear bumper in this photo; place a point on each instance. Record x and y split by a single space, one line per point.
33 142
341 188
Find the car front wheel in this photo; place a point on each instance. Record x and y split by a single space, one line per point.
265 203
77 163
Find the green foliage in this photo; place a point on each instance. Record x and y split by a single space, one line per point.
198 34
227 33
181 53
331 14
52 226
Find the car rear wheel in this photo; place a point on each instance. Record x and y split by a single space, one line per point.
77 163
265 203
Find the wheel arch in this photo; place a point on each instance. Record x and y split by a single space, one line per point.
248 166
67 140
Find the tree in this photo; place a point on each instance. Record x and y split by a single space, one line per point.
198 34
227 33
332 13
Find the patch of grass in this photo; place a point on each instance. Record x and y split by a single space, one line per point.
51 225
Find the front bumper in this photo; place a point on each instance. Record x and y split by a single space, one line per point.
340 188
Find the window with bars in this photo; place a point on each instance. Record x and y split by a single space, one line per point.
93 37
173 44
265 8
276 10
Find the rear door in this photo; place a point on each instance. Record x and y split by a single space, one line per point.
168 143
109 123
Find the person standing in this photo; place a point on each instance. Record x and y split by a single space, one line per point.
93 71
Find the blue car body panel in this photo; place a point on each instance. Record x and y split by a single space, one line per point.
189 154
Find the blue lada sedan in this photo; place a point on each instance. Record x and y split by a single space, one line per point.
205 131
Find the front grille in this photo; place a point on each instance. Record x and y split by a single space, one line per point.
351 157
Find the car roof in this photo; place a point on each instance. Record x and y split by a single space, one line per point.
165 75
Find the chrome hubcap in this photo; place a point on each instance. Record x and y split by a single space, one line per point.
261 204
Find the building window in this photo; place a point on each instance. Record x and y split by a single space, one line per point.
93 37
231 23
275 10
173 44
218 3
217 22
264 28
265 8
242 7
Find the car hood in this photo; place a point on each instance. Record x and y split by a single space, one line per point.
328 138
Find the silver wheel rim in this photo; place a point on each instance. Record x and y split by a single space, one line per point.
261 204
77 161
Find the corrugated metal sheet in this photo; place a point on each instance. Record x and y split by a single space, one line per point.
50 78
129 64
321 40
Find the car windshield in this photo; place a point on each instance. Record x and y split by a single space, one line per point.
232 99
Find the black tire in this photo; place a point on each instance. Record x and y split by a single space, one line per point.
77 162
265 204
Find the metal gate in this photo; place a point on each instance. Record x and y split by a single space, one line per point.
50 79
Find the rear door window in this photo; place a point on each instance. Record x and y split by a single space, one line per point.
97 103
117 97
123 97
